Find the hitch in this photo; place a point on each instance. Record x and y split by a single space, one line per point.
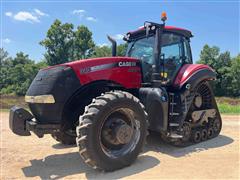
21 122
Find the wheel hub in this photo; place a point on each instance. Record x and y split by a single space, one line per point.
123 134
119 133
198 101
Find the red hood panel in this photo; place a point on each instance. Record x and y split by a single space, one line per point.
125 71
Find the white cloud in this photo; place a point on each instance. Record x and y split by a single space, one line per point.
118 36
82 13
26 16
9 14
40 13
6 41
32 17
91 19
79 11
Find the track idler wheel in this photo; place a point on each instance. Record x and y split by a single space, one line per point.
197 136
210 133
204 135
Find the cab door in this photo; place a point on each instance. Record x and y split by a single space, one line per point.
174 54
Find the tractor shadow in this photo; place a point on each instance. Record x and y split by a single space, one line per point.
156 144
59 166
62 146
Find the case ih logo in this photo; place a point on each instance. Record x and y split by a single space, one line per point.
107 66
127 64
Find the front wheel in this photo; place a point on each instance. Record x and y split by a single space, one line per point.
112 131
67 137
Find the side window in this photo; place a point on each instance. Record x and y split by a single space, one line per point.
172 48
143 49
188 57
172 54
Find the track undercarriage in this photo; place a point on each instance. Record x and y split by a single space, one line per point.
200 122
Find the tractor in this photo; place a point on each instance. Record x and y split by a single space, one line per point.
107 105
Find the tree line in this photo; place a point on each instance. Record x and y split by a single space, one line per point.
63 43
227 69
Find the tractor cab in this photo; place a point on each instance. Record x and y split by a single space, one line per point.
162 50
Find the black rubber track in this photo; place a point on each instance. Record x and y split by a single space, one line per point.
201 133
88 131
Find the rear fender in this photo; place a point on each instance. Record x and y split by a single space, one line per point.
193 74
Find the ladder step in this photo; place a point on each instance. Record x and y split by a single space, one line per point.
173 124
176 136
174 114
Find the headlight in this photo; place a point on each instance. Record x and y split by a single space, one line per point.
45 99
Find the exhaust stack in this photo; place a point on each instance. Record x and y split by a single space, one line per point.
114 45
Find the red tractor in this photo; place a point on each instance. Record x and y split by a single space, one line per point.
106 105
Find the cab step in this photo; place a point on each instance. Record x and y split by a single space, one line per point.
175 136
174 114
173 124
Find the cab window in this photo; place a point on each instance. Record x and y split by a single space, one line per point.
142 49
172 49
172 53
188 56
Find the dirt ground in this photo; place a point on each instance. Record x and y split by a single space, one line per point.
31 157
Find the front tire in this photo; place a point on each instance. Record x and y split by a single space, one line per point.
64 137
112 131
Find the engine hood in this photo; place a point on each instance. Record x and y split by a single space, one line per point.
100 61
95 64
121 70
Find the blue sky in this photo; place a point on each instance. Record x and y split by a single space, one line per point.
24 24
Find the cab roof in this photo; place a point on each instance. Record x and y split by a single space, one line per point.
174 29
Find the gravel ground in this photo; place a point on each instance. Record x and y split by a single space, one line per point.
31 157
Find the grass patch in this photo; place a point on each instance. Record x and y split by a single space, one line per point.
228 101
229 109
4 110
228 105
7 101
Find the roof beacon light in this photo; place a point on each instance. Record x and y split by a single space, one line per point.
164 16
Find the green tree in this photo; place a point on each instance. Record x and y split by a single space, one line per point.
59 43
209 55
5 60
21 58
106 51
223 67
122 49
63 44
102 51
221 63
83 43
3 55
17 73
235 76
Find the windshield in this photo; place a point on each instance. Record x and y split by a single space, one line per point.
142 49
